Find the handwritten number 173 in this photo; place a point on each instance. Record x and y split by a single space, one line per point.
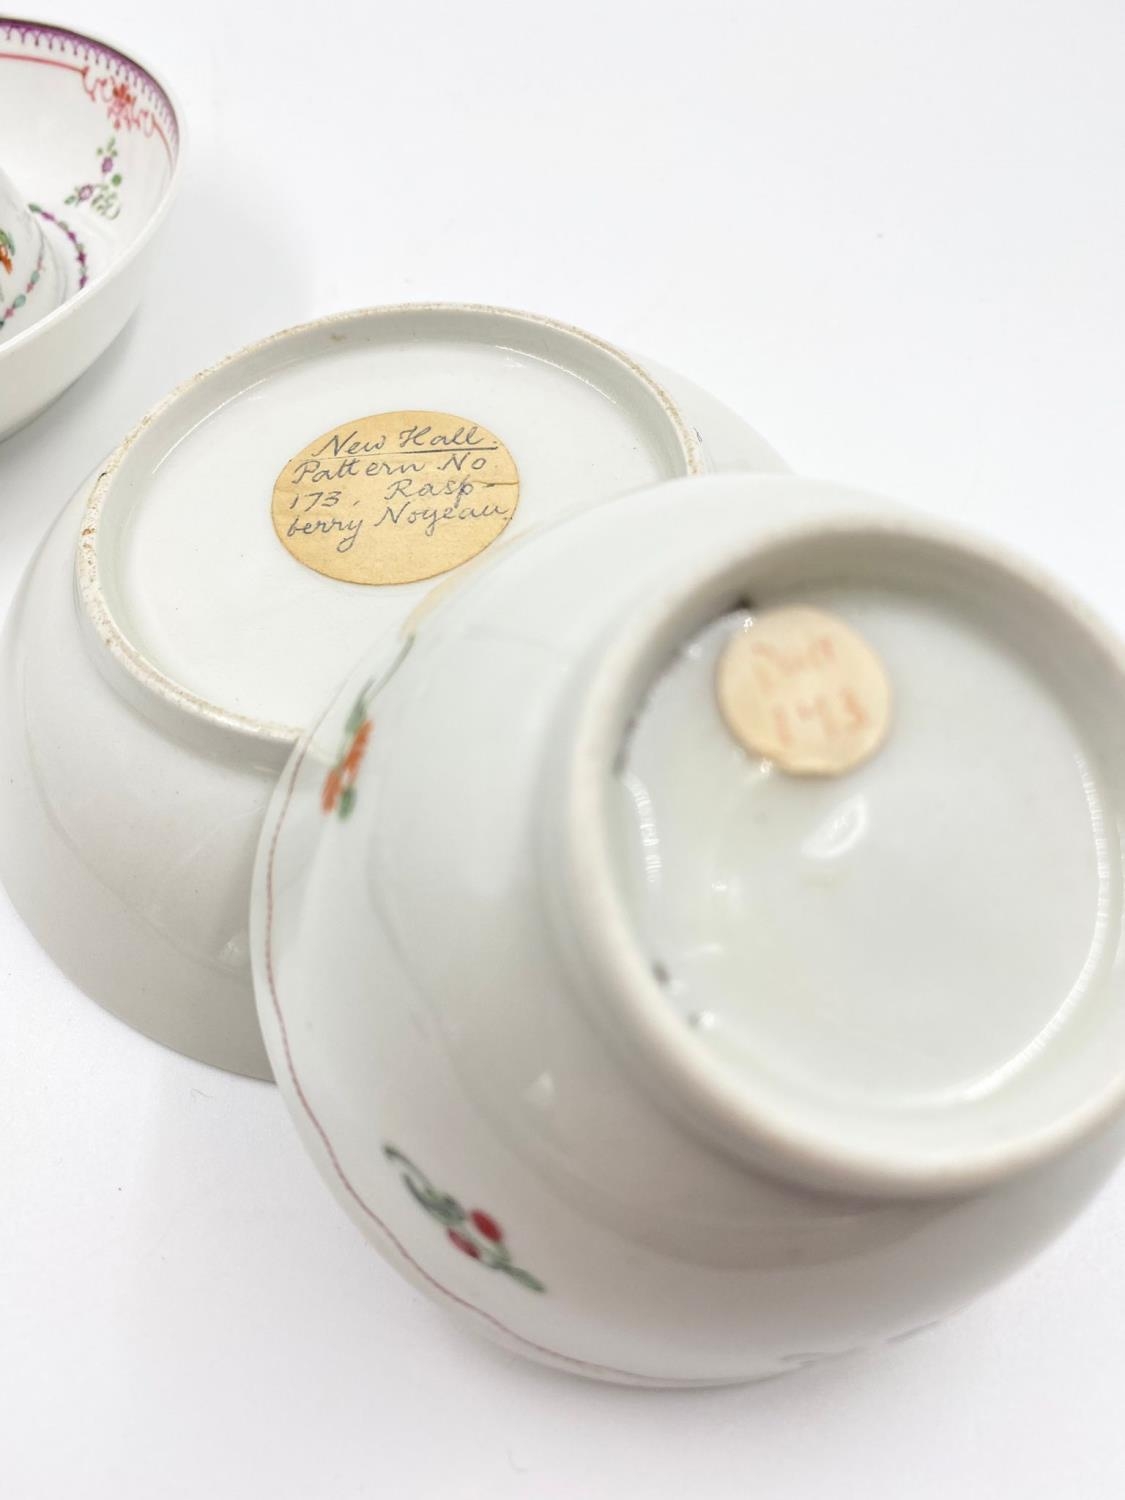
325 499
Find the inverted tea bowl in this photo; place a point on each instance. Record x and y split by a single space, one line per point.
646 1056
169 647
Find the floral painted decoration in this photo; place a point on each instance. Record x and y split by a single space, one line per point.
339 791
77 246
20 298
102 194
7 250
475 1233
119 106
131 98
339 794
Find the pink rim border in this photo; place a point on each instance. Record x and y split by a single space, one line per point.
90 49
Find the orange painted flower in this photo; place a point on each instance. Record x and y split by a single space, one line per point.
357 749
333 786
339 792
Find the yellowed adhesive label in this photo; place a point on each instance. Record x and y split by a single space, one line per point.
395 497
801 688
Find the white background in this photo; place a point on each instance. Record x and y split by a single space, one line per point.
893 235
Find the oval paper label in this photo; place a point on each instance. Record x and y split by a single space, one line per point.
801 688
396 497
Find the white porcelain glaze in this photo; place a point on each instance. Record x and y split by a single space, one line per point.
803 924
143 724
472 1026
99 174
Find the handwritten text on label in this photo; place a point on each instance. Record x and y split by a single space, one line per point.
395 498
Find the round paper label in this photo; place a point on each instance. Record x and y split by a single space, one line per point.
801 688
396 497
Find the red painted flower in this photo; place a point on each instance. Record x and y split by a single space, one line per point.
121 104
463 1243
475 1233
486 1225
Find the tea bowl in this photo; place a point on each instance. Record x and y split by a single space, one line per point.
179 627
99 173
656 1059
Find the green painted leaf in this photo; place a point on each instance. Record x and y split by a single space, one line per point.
356 717
447 1211
525 1278
439 1205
